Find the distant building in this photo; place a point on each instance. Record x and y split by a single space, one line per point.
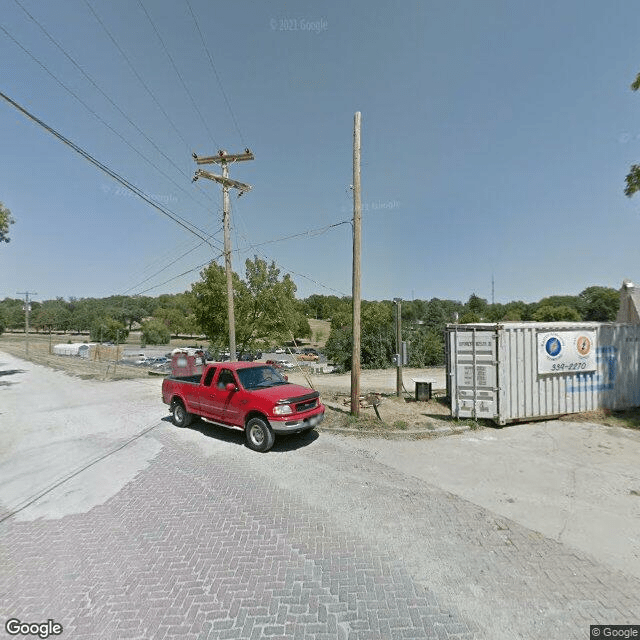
629 309
74 349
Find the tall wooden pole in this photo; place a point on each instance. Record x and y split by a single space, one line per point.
223 158
227 264
357 242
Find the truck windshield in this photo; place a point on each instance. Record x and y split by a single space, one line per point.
259 377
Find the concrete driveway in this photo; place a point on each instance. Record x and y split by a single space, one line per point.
576 483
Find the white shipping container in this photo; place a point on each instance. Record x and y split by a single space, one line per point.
522 370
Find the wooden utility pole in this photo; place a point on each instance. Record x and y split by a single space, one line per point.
398 302
226 223
223 158
355 289
27 310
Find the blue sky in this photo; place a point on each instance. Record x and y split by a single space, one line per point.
496 136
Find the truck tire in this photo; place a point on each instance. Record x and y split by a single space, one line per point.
181 417
259 435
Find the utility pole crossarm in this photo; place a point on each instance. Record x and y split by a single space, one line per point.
224 157
226 182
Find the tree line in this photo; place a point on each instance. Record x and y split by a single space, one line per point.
268 313
424 322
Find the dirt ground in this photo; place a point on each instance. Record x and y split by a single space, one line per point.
377 385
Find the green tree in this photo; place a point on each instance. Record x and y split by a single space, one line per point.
377 337
108 330
5 220
13 310
155 332
52 314
477 306
550 313
633 177
265 307
599 304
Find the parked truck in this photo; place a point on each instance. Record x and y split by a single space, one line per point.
255 398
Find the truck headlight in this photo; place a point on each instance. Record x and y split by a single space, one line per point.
282 409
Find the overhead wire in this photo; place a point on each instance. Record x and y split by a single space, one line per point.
88 108
188 226
312 233
175 248
109 99
175 68
142 82
163 268
137 75
215 72
204 264
301 275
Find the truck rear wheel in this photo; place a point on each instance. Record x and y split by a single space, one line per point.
259 435
181 417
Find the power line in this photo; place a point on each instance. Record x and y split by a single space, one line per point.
105 95
163 268
137 75
90 110
191 228
142 82
215 72
162 258
175 68
179 275
301 275
311 233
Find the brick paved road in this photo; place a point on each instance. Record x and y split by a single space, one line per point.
313 540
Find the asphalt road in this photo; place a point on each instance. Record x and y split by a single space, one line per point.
115 524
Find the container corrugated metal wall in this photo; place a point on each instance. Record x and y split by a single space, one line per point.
514 380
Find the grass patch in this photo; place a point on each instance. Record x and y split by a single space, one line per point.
627 418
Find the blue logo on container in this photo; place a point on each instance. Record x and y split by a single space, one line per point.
553 347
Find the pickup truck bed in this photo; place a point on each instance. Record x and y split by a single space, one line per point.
249 396
195 379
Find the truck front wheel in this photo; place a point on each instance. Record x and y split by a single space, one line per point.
259 435
181 417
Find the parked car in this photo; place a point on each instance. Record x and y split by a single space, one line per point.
253 397
246 357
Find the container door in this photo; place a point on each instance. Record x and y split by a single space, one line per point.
473 373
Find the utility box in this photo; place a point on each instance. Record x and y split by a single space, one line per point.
424 388
524 370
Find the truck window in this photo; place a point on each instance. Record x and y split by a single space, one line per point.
209 377
225 378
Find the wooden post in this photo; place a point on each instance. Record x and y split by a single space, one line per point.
357 242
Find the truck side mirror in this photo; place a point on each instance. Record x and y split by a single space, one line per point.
230 386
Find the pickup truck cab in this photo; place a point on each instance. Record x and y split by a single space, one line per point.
249 396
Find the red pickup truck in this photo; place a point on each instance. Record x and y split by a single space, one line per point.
249 396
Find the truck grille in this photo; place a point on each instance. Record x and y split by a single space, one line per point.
305 406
